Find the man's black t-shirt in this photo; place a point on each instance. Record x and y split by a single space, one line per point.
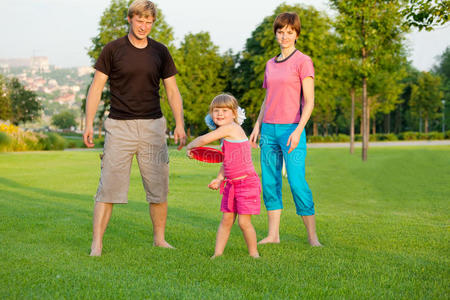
134 77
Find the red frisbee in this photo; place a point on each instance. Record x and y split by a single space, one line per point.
207 154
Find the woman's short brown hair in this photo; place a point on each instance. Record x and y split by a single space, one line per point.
288 18
142 8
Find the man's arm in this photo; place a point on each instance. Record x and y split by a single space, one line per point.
92 101
176 104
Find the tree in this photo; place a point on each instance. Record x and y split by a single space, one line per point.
24 104
113 25
443 70
371 30
426 97
5 101
64 120
262 45
426 14
200 66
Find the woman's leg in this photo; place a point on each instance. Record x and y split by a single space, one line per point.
310 224
301 193
223 233
271 164
273 236
245 223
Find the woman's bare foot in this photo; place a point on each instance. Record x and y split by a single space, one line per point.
269 240
215 256
163 244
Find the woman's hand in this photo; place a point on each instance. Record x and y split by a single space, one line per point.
294 139
215 184
254 136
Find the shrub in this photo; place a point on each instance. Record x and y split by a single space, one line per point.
447 134
52 141
342 138
435 135
5 141
314 139
409 136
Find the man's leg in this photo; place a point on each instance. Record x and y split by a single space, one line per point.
102 214
158 214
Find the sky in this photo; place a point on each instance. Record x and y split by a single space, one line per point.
62 29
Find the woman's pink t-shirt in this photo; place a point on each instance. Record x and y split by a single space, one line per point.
283 82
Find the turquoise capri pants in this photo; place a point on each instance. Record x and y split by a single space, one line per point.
273 148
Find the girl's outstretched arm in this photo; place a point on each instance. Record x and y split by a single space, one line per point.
219 133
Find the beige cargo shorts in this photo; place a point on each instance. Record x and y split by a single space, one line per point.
144 138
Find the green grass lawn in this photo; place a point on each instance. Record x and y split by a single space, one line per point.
384 225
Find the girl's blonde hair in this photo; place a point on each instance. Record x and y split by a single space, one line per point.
225 101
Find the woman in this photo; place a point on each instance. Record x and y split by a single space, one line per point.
287 107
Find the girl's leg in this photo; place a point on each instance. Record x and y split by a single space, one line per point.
249 232
273 235
223 233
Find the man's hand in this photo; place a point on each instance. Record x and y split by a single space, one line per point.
179 136
88 136
215 184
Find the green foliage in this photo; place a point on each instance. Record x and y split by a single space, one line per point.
426 97
426 14
52 141
24 104
64 120
199 65
5 141
5 101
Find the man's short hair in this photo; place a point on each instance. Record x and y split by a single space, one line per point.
142 8
288 18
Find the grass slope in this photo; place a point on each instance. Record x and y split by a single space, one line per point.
384 224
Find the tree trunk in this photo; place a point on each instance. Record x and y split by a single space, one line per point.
398 120
426 124
315 129
352 123
365 120
387 123
374 125
100 125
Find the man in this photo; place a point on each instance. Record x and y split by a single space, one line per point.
134 65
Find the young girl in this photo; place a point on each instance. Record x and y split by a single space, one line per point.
237 179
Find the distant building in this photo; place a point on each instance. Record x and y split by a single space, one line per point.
40 64
85 70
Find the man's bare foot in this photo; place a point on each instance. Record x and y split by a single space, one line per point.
163 244
269 240
255 255
315 243
96 252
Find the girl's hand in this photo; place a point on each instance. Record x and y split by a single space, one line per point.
254 136
189 154
293 140
215 184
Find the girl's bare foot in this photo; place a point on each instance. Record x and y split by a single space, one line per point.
269 240
163 244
